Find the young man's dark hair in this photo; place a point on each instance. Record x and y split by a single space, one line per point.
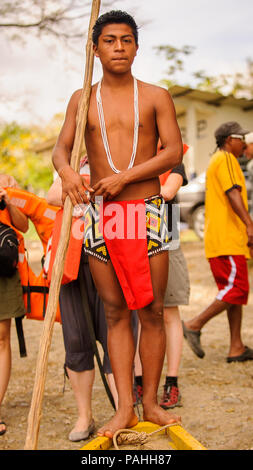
114 16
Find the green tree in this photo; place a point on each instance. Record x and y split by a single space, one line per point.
18 159
176 58
239 84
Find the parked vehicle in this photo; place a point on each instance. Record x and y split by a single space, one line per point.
192 200
192 204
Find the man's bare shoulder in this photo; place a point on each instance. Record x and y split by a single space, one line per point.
76 95
155 92
73 102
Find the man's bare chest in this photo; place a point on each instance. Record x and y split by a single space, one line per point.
120 117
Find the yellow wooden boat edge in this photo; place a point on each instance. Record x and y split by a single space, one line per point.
181 439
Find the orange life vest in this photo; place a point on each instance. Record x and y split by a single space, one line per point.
35 288
73 255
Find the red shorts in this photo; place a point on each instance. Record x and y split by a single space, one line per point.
231 276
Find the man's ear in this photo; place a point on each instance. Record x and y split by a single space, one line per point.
95 50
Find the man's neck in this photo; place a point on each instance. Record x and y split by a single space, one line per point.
226 148
114 80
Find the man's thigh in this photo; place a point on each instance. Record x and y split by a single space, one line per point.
107 283
159 268
108 286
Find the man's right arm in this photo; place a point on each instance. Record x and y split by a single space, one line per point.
237 204
73 185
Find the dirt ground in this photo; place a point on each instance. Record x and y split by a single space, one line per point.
217 397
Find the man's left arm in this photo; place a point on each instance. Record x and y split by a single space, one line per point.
226 174
237 204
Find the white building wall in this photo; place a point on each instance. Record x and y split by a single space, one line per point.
198 122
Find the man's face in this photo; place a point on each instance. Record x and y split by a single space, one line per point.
116 48
237 145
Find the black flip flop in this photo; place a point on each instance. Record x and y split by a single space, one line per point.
4 430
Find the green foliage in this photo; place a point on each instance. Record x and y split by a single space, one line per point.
239 84
175 56
17 158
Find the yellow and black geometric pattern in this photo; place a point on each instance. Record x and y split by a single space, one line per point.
94 243
156 226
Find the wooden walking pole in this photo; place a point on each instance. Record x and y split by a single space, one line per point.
57 272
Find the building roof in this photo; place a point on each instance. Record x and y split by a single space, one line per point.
45 146
212 98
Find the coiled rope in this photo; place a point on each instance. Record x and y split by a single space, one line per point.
132 437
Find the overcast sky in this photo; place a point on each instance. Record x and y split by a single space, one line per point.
37 80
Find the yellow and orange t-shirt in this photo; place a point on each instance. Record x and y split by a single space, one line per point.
225 233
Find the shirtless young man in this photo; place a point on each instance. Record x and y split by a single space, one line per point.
115 41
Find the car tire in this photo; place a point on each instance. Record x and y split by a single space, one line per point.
198 221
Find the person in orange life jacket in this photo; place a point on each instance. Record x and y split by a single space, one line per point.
79 360
228 241
11 296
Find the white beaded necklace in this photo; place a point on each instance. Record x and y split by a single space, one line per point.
103 128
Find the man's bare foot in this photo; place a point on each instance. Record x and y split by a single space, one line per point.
124 418
155 414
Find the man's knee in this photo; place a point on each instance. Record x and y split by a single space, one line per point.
115 313
156 308
153 313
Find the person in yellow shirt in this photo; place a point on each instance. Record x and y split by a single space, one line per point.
228 241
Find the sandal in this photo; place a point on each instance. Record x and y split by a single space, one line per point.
193 339
247 355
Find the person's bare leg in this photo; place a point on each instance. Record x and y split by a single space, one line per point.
112 385
216 307
174 339
82 383
5 360
153 344
234 313
120 344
